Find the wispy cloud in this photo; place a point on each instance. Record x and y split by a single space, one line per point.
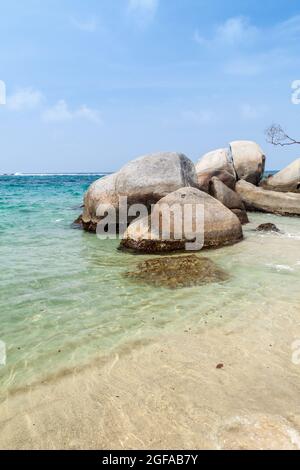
289 29
24 99
251 112
143 10
88 26
232 32
61 112
191 118
247 66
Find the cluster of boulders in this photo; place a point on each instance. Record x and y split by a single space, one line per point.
226 182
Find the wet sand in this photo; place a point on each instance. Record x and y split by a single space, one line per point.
205 387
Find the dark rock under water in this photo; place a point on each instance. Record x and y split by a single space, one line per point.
175 272
268 227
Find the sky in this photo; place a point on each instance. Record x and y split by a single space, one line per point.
92 84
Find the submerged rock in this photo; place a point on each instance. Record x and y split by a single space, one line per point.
286 180
143 181
258 199
228 198
248 160
268 227
219 226
178 271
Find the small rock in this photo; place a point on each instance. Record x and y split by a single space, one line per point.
268 227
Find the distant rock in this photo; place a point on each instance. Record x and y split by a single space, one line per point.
268 227
286 180
178 271
228 198
221 226
145 181
258 199
248 160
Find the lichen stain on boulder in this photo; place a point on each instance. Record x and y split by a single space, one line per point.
175 272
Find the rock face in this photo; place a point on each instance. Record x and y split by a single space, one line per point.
287 180
228 198
145 180
220 226
178 271
204 179
248 160
258 199
216 163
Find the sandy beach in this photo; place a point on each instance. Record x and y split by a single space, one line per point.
207 388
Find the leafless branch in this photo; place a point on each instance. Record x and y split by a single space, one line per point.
277 136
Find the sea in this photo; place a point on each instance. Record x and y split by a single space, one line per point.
65 299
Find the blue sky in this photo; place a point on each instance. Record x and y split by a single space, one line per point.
92 84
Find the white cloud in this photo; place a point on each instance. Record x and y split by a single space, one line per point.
61 112
250 112
89 26
290 28
149 5
232 32
191 118
248 66
24 99
143 10
198 117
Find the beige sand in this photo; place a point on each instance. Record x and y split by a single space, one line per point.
169 394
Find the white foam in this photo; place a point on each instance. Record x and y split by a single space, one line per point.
280 267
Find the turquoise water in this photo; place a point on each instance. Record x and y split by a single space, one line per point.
64 299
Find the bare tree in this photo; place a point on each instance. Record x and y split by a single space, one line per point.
277 136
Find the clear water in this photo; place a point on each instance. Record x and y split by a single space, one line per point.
64 299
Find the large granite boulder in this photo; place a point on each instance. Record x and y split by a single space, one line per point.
248 160
219 225
216 163
286 180
143 181
228 198
218 159
259 199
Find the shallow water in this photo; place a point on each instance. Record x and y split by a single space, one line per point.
64 298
